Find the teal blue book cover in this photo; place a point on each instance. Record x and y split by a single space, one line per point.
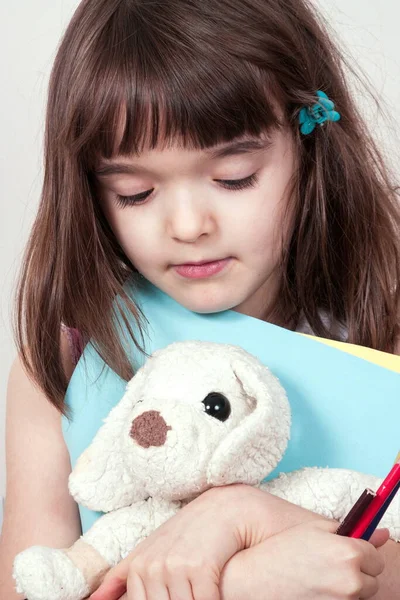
345 409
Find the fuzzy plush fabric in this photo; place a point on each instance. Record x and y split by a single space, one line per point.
196 415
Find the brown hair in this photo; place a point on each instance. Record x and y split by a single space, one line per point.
210 69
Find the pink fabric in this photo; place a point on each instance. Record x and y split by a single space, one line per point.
75 342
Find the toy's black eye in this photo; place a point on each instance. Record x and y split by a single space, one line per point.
217 406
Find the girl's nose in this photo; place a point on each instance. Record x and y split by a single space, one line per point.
189 219
149 429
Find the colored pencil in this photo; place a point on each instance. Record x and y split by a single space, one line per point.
385 494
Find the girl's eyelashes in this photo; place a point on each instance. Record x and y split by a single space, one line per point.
239 184
124 201
229 184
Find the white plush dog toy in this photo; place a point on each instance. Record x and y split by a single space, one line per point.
196 415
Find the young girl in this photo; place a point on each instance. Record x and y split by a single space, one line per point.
214 149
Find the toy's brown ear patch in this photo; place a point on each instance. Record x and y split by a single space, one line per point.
251 400
149 429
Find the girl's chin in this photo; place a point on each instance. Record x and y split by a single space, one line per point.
202 296
205 307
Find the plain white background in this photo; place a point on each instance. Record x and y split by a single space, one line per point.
29 34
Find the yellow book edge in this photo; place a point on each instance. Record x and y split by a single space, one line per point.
383 359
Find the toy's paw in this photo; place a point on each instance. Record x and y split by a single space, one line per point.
47 574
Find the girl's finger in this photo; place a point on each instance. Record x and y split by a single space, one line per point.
180 589
205 588
370 587
114 583
372 562
136 588
112 589
379 537
153 588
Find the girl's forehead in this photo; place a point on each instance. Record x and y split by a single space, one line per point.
244 145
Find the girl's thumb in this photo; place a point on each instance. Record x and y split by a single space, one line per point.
379 537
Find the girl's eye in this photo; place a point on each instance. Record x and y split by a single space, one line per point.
230 184
239 184
124 201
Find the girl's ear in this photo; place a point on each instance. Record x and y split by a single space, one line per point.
254 448
102 478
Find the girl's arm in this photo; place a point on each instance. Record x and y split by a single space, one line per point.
284 558
38 507
195 547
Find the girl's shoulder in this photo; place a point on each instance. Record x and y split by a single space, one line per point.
339 329
71 348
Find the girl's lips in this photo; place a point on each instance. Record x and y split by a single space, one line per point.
200 271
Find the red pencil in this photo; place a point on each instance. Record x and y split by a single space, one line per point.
383 495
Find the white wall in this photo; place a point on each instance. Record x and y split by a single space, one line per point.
29 34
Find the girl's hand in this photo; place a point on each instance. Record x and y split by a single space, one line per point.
183 558
306 562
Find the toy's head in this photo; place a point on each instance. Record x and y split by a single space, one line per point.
196 415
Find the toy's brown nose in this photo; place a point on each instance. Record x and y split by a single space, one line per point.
149 429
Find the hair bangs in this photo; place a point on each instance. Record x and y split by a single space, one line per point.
197 97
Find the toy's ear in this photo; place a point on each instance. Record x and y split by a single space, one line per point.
102 478
253 448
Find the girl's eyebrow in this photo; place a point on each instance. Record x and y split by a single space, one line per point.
105 169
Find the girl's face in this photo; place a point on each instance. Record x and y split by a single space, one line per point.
184 209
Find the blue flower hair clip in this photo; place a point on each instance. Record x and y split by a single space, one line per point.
320 112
